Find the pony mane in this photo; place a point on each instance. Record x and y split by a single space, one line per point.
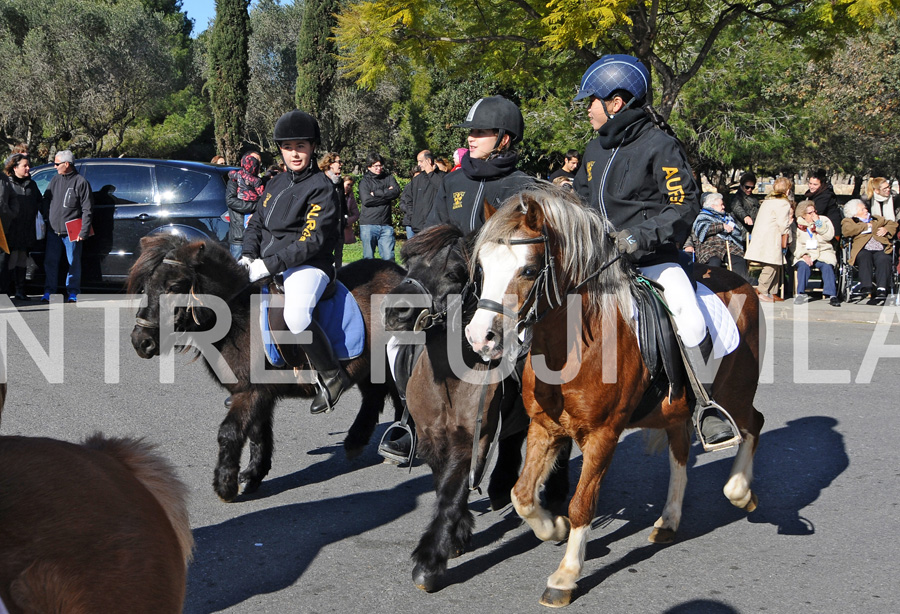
579 235
428 243
153 249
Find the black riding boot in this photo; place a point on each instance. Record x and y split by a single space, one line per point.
19 277
713 429
333 380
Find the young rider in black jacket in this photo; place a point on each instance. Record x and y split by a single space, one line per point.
636 173
488 171
294 232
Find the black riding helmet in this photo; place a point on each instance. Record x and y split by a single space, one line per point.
496 113
296 126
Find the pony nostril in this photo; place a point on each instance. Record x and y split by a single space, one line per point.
490 335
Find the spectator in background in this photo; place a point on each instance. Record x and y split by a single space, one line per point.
20 234
443 165
331 165
352 211
879 199
458 156
570 165
68 198
813 249
406 205
821 193
769 240
744 205
218 160
420 193
717 238
870 247
241 195
378 189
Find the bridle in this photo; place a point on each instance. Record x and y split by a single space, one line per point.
546 287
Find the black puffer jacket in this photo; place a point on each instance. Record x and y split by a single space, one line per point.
461 197
297 221
376 195
20 234
639 178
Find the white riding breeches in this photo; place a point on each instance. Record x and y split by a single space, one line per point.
682 301
303 287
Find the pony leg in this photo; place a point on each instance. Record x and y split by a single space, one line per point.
737 489
679 448
452 524
261 441
540 456
366 419
506 471
232 436
597 450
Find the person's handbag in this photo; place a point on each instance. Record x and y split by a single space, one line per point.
39 226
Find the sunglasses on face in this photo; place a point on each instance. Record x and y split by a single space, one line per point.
58 163
748 187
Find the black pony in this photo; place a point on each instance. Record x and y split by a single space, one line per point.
445 408
171 265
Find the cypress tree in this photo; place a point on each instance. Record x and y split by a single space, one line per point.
316 57
229 74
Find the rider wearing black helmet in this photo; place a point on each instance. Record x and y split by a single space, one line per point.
294 233
488 172
636 173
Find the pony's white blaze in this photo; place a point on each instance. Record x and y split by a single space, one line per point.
499 263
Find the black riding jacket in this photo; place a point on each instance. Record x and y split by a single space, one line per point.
639 178
297 221
460 198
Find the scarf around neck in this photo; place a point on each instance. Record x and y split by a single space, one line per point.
500 165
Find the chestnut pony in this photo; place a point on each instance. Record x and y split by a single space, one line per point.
170 264
97 527
549 254
445 408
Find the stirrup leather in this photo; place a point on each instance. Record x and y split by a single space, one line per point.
702 406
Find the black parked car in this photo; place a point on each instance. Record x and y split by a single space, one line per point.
136 197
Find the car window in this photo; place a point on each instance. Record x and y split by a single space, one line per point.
178 185
42 178
120 184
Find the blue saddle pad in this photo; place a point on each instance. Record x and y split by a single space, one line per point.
339 316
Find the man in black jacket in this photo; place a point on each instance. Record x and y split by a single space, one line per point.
418 196
68 198
378 190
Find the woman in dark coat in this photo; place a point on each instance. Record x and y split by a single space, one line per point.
21 235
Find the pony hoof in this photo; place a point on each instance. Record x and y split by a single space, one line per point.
251 486
752 503
457 552
424 581
226 489
661 536
353 452
557 597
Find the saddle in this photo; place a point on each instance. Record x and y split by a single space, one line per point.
659 346
292 353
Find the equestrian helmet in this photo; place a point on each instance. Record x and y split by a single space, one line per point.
615 72
496 113
296 126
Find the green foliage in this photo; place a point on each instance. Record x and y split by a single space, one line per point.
316 61
228 75
186 118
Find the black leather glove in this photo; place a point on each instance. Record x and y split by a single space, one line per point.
625 242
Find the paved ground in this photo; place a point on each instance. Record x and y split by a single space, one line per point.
325 534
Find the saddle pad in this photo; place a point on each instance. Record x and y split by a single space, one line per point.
722 327
339 316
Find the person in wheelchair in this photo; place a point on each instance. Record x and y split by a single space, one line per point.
871 246
716 238
813 249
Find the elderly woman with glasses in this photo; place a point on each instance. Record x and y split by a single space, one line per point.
744 205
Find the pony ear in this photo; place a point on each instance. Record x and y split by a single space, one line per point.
150 242
488 210
534 214
194 252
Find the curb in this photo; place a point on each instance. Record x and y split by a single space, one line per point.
821 311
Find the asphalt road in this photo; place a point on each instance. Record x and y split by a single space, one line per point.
325 534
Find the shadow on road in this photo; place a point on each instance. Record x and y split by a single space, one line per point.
267 551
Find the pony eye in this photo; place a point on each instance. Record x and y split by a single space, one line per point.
529 271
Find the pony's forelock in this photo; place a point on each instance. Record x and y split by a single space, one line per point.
153 250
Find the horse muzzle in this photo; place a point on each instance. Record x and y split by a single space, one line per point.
145 341
488 344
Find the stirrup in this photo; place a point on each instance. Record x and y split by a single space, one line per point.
393 456
737 439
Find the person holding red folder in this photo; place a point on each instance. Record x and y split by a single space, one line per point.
68 198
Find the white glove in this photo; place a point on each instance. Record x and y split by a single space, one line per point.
258 270
245 261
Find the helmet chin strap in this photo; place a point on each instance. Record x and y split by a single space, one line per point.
611 115
500 134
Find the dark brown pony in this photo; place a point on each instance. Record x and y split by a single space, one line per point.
96 527
445 408
172 265
547 230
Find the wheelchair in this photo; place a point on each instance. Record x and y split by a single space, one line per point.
849 286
